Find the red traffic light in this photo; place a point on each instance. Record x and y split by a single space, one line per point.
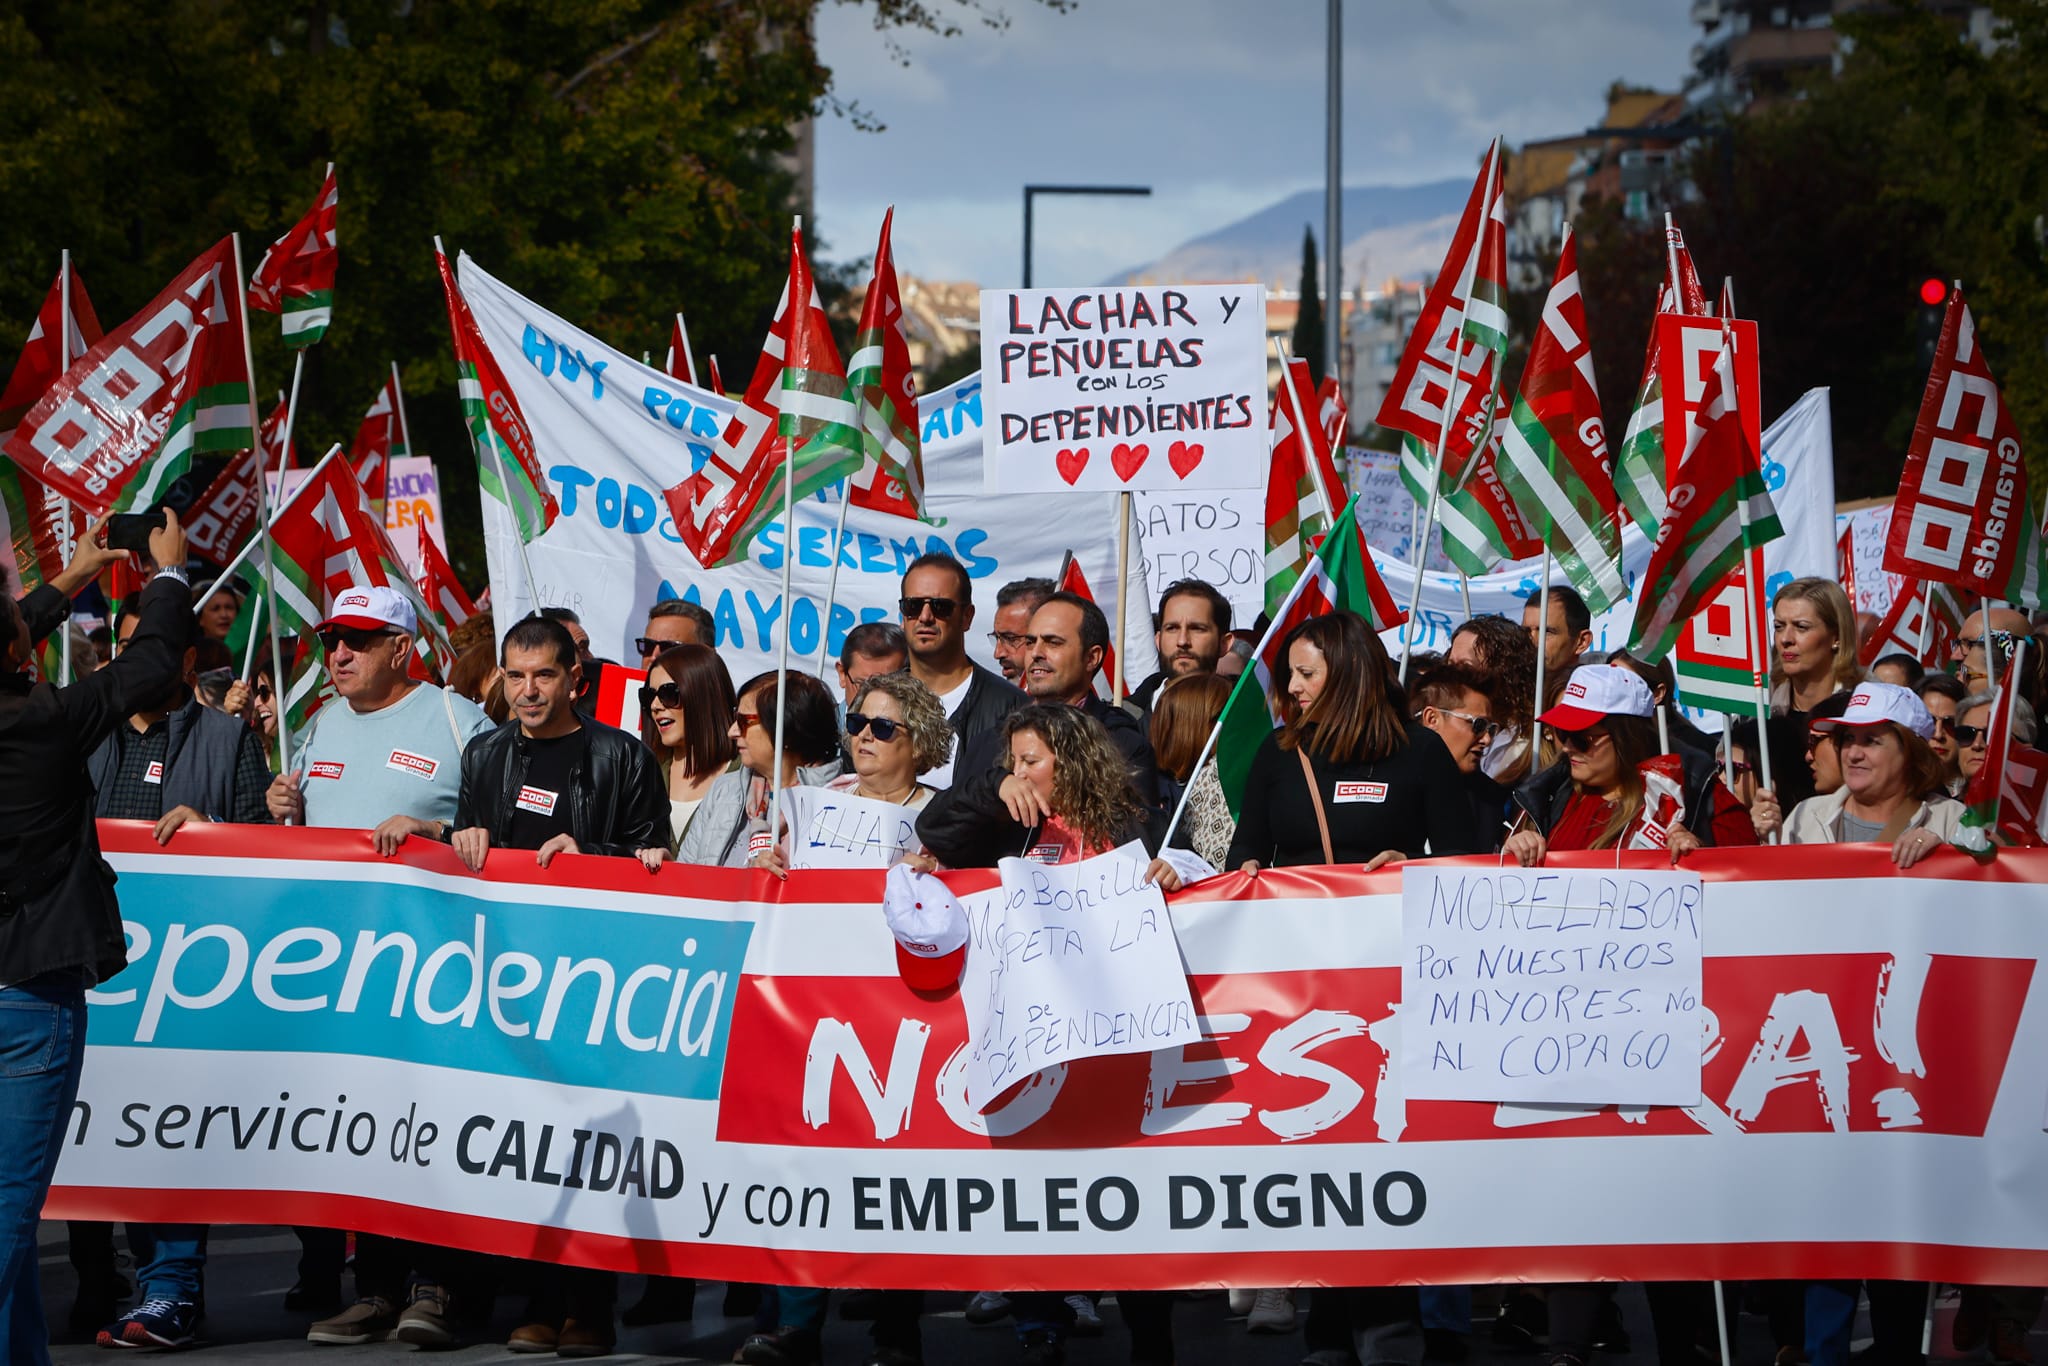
1933 291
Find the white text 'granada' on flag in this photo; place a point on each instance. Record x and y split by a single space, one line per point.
124 422
507 466
1716 509
1964 515
295 278
1554 457
1339 578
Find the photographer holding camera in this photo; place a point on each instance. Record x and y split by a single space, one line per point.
60 925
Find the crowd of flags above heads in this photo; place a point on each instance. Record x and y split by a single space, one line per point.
1509 475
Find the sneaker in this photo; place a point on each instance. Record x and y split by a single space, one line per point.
988 1306
156 1323
1241 1302
1272 1312
1041 1349
2009 1343
425 1320
369 1319
1087 1323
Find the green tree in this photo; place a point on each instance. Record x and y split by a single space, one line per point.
614 159
1308 320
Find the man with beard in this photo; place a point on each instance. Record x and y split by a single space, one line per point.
1189 630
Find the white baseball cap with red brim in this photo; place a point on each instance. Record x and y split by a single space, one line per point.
930 926
1596 692
1875 704
372 607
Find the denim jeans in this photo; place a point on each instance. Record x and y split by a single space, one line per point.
168 1259
42 1048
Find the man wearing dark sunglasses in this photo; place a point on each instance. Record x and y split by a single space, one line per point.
673 622
938 612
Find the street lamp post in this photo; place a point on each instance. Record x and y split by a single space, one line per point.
1032 190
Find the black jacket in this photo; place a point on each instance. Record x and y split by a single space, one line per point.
202 757
1542 797
990 697
968 826
617 803
1125 732
58 912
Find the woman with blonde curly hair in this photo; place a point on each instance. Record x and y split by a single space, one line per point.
1061 792
1813 640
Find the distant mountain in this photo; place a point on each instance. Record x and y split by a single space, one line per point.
1399 230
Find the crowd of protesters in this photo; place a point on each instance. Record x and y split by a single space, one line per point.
1032 761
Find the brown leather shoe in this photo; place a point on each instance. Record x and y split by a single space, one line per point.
533 1337
586 1338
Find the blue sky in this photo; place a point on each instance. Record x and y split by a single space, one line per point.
1217 104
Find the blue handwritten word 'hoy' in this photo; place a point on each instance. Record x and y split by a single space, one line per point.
551 360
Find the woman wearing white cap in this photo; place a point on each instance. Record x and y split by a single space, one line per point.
1593 798
1894 787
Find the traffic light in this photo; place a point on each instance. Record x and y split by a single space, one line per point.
1933 305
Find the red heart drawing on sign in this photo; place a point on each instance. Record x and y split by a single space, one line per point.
1070 463
1126 460
1184 456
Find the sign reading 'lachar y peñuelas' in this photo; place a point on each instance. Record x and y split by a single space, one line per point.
1139 388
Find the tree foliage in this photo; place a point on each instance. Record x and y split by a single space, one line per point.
1924 157
614 159
1308 319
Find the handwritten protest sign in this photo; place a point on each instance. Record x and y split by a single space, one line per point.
1141 388
841 830
1568 986
1066 962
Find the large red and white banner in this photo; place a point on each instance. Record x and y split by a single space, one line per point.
712 1072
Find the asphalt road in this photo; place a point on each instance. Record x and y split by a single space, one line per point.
249 1269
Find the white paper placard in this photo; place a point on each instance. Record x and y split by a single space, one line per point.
1077 960
841 830
1573 986
1156 388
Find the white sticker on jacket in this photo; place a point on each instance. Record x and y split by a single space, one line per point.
1361 792
418 764
538 800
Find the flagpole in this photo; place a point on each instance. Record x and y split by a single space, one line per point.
404 428
1926 615
284 730
832 583
689 361
64 507
249 652
1465 594
1123 574
1728 748
1436 487
1756 670
788 559
1990 647
1542 653
1308 455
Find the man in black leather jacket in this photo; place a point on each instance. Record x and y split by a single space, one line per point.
549 779
60 924
554 781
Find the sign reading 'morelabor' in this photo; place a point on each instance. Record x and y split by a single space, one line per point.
1069 961
1568 986
1142 388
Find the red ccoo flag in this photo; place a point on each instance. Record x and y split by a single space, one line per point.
45 525
680 364
439 587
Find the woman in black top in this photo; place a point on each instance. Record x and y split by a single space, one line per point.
1389 787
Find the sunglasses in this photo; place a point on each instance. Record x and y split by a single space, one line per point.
1741 770
263 693
1482 727
649 646
669 694
1580 741
913 608
744 720
354 638
884 729
1969 737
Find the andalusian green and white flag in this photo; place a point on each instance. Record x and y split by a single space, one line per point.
818 415
1639 465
